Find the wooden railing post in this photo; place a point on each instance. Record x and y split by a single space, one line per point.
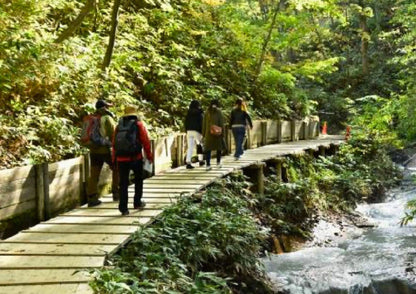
228 136
279 131
292 130
179 150
256 176
86 174
305 127
263 133
42 191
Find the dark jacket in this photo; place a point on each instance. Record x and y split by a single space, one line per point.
213 116
240 117
193 120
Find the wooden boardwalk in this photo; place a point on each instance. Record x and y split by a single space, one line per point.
45 258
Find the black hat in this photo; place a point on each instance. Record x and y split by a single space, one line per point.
215 102
101 103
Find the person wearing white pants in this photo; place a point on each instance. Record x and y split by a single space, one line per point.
194 138
193 127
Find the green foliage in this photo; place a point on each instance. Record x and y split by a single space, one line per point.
360 171
207 245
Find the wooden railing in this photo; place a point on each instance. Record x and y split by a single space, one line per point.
34 193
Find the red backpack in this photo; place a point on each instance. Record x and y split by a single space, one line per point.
90 134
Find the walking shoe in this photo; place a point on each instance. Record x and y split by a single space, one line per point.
125 212
141 205
236 158
219 165
208 168
189 166
201 163
94 203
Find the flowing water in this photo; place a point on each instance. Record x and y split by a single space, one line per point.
378 260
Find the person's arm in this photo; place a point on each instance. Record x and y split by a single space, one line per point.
109 127
231 118
144 139
248 118
186 124
221 120
113 151
204 124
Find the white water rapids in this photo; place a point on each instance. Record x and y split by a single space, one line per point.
378 260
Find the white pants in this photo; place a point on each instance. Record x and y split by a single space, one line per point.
194 138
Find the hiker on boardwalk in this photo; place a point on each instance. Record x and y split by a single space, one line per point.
239 119
129 139
101 153
213 132
193 127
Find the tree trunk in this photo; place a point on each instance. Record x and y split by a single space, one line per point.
364 43
72 27
266 42
113 31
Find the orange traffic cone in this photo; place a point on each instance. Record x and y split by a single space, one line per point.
348 133
324 129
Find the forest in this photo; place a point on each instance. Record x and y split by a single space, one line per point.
349 62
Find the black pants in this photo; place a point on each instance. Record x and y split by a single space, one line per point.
124 171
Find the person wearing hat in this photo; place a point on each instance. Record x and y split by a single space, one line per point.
129 156
213 132
102 154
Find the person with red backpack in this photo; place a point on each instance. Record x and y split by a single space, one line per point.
97 133
129 138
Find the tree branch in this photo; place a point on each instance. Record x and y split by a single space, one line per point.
72 27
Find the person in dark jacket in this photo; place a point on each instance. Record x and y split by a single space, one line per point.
239 119
193 127
213 119
129 163
102 154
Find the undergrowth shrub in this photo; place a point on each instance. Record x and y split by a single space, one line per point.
199 245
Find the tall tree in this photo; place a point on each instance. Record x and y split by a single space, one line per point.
73 26
112 37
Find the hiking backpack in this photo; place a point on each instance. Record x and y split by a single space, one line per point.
90 134
126 141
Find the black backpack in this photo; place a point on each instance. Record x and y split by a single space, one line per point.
126 141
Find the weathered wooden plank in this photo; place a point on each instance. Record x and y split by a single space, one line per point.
65 167
168 190
162 196
62 288
113 212
72 180
182 176
7 187
100 220
34 262
17 209
41 276
161 185
148 200
54 249
179 181
8 176
18 195
56 238
82 229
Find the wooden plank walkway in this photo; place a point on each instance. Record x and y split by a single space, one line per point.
45 258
